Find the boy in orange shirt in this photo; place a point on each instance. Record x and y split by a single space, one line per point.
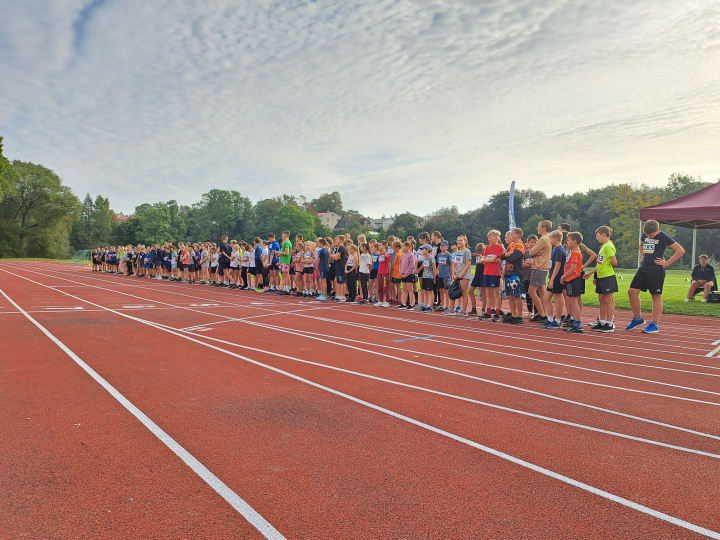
573 281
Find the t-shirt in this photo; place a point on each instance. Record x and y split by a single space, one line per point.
383 260
513 258
350 262
343 256
654 248
526 271
375 261
460 258
573 256
227 250
111 256
604 267
443 263
323 265
204 256
275 248
428 267
493 269
285 259
258 253
214 259
558 256
309 256
366 261
541 253
235 258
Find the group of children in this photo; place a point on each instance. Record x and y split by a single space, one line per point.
547 270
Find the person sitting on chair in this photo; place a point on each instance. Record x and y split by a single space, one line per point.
703 276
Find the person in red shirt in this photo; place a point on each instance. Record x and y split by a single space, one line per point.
383 277
491 274
573 281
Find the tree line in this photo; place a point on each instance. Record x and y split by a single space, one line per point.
40 217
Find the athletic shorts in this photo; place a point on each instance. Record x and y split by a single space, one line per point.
395 280
441 283
284 268
649 279
556 287
206 265
538 278
324 275
491 282
252 270
606 285
477 281
182 266
341 276
428 284
274 267
412 278
308 270
574 287
192 268
513 286
582 286
292 271
373 273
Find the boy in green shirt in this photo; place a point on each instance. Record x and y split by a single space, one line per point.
285 259
605 281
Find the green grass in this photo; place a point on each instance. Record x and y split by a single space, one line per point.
674 292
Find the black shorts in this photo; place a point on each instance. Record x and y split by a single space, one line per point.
477 281
441 283
373 273
649 279
395 280
252 270
308 270
582 275
555 287
192 268
606 285
182 266
428 284
292 270
574 287
412 278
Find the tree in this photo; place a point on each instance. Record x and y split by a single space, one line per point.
36 219
219 212
294 219
7 179
405 224
328 202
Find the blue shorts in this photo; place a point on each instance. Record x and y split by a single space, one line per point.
324 275
491 281
513 286
274 267
340 277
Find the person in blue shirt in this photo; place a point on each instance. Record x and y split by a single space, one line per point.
274 258
554 286
323 268
651 274
111 259
703 277
258 265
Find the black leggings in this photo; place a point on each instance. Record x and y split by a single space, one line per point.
244 275
364 278
352 279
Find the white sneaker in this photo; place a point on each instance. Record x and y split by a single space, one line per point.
686 300
704 300
385 304
377 304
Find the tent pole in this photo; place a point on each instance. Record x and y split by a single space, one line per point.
639 250
692 263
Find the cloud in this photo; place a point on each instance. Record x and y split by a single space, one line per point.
378 100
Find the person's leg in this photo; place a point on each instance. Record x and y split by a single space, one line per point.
691 291
602 301
464 298
537 295
708 288
559 306
574 308
473 301
657 307
634 296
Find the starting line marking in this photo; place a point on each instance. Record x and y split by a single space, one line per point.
63 308
412 339
247 511
712 353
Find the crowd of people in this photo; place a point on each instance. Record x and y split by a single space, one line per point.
543 274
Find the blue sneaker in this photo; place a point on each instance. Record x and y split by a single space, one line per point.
553 324
635 323
322 298
651 329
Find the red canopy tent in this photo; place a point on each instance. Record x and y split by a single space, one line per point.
699 210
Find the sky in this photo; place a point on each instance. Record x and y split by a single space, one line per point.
400 105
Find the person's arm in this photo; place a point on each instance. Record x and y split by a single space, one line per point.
569 273
694 274
537 247
592 256
556 269
465 270
679 252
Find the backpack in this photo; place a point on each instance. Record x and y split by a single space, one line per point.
455 291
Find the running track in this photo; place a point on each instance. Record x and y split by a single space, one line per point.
140 408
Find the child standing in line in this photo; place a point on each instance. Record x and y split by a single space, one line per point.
427 285
383 278
407 273
444 266
323 267
605 281
351 267
396 277
366 263
573 281
527 269
555 287
540 253
375 251
461 272
477 281
513 258
234 266
491 276
307 259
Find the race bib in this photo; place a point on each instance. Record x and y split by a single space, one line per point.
426 264
458 259
649 245
601 259
478 259
381 258
375 258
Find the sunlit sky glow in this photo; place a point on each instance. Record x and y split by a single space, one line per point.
399 105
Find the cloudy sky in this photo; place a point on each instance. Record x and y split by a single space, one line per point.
398 104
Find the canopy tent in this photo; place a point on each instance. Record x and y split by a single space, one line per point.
699 210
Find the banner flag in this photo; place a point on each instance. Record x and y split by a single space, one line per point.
511 209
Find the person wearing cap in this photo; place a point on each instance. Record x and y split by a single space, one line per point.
703 276
444 267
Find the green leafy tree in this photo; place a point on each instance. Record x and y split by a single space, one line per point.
7 180
154 223
292 218
405 224
219 212
328 202
36 219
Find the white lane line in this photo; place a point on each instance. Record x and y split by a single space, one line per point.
712 353
716 342
461 374
247 511
497 453
410 333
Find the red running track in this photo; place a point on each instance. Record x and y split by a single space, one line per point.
321 447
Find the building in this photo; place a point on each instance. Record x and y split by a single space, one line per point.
119 218
382 223
329 219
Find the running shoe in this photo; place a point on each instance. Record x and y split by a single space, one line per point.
457 309
517 320
635 323
385 305
606 328
538 318
259 290
473 311
462 313
377 304
574 329
595 324
553 325
496 318
322 298
448 311
409 307
485 316
401 306
343 299
651 329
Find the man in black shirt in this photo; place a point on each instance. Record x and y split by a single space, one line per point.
224 260
703 276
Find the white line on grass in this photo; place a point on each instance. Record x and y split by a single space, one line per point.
247 511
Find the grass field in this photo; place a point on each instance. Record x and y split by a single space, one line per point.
66 261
